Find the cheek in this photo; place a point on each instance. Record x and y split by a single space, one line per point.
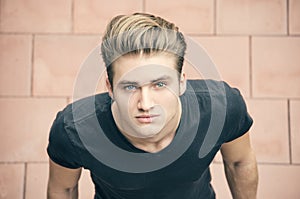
169 101
126 102
121 100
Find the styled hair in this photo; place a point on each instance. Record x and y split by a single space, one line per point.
141 33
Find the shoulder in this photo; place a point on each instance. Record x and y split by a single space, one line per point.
213 88
70 120
84 108
217 96
64 142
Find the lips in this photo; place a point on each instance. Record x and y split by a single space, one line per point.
146 118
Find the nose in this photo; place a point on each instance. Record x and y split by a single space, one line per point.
145 102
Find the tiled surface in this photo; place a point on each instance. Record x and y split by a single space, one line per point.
11 181
295 130
269 133
294 17
57 60
254 43
274 177
270 139
36 180
35 16
92 16
37 177
24 127
191 16
275 66
86 186
272 180
15 64
219 181
254 17
231 57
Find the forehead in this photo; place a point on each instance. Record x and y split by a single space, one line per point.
144 67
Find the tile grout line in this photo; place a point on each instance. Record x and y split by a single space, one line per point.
289 130
33 97
275 98
68 100
189 34
288 17
265 163
72 16
70 97
215 18
144 5
21 162
25 178
50 33
0 13
250 69
32 66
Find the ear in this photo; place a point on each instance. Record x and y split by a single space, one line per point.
182 82
109 88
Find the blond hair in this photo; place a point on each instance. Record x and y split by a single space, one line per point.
141 33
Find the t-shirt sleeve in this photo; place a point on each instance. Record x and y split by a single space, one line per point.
238 118
60 148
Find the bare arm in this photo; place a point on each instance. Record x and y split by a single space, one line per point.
63 182
240 168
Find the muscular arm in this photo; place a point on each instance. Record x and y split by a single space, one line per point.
240 168
63 182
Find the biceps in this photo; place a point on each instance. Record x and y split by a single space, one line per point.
61 177
238 150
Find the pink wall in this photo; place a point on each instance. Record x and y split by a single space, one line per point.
254 43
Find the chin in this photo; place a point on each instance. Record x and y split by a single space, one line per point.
149 135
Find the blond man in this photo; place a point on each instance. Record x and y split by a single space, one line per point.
154 133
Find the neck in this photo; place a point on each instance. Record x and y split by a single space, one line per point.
152 144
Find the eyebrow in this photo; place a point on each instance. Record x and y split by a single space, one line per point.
162 78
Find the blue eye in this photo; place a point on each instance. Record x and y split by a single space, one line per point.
130 87
160 84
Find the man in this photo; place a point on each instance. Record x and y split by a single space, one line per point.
163 130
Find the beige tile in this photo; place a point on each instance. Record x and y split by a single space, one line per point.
275 181
15 64
295 130
11 181
279 181
231 57
269 133
191 71
251 17
36 180
294 16
57 60
35 16
24 127
276 71
191 16
102 83
219 182
92 16
86 186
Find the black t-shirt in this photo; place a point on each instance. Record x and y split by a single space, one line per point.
85 135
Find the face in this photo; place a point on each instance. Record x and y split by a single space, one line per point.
146 95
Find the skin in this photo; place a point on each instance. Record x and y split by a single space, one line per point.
62 182
146 104
151 111
240 168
